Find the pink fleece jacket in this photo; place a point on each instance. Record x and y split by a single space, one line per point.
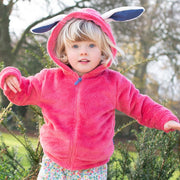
79 114
80 119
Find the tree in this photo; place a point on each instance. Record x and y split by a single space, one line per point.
5 40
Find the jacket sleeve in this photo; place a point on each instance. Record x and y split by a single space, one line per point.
141 107
31 87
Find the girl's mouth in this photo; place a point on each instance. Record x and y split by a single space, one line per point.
84 61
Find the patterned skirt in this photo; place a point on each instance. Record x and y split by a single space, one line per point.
52 171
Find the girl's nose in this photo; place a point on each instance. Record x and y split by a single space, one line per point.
83 51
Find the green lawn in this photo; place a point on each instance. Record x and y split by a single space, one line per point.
12 142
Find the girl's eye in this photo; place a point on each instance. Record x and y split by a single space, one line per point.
92 45
75 46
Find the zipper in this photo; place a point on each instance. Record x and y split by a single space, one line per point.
77 122
78 81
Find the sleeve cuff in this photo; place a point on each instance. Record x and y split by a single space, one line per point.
9 71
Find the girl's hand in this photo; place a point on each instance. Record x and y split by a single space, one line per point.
172 125
13 84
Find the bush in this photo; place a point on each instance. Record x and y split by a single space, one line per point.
10 166
157 157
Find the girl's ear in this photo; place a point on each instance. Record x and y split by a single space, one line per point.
123 13
47 25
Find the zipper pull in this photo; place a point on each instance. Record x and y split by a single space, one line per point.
78 81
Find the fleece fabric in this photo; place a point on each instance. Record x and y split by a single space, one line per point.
79 114
80 119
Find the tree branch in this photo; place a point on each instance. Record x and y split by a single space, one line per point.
10 5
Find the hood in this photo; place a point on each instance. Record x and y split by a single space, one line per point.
87 14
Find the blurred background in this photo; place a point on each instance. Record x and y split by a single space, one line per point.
151 45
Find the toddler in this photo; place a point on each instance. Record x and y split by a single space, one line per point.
79 98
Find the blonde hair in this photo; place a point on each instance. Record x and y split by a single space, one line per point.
83 30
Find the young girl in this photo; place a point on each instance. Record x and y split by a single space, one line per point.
78 99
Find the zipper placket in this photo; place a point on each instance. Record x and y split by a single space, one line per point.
77 122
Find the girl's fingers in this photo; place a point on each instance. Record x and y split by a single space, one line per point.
13 84
5 86
175 126
172 125
16 84
11 87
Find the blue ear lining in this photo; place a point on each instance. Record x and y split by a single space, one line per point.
43 29
126 15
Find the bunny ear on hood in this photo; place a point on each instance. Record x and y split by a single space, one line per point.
47 25
123 13
118 14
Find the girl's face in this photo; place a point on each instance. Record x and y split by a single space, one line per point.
83 56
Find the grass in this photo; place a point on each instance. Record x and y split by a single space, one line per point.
13 143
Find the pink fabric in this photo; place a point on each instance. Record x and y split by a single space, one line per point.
80 119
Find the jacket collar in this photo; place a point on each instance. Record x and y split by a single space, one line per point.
68 71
